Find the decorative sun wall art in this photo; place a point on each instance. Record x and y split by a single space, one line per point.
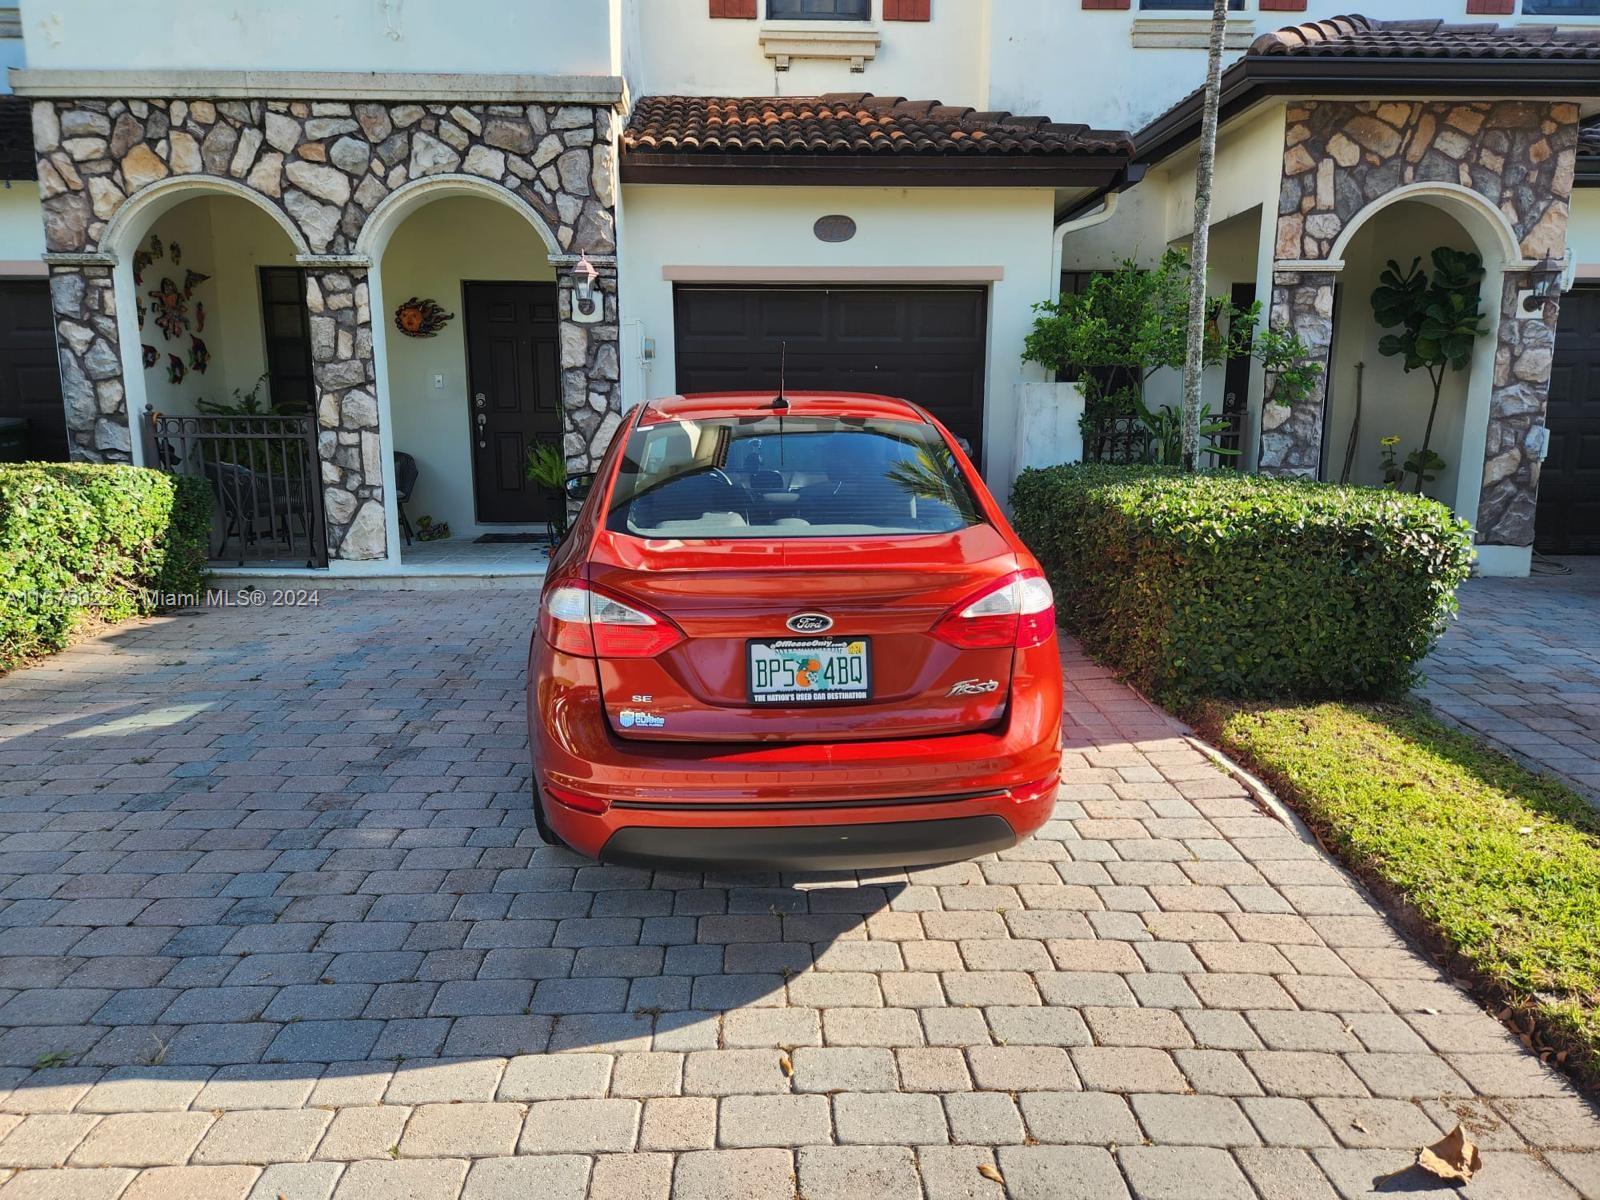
420 318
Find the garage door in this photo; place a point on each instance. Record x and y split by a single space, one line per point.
1568 520
923 344
30 379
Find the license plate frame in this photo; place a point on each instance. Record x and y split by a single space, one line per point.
808 696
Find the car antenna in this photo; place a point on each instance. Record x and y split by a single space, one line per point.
780 402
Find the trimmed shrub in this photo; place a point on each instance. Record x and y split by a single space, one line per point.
87 538
1236 585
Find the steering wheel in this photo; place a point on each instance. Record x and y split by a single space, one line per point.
721 476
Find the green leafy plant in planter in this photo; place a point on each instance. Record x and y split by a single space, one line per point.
1437 319
547 468
1130 323
245 404
1165 427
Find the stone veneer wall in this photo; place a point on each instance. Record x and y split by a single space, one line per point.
326 166
1521 390
1342 156
1291 436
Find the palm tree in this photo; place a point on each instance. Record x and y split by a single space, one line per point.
1205 169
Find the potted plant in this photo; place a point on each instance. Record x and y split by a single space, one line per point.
547 469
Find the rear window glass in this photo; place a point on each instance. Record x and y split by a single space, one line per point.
794 477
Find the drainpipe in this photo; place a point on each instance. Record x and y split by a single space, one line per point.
1100 216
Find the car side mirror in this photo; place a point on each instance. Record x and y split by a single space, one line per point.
577 486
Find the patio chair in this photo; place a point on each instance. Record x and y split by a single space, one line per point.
246 497
405 479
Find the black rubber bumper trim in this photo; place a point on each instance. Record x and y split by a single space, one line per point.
813 847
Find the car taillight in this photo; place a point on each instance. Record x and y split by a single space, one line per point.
587 804
1018 611
580 619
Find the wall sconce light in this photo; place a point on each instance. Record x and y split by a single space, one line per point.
1545 278
583 276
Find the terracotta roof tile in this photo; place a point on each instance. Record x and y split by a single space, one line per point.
850 124
1356 36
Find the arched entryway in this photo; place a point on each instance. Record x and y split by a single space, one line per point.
466 396
211 304
1396 403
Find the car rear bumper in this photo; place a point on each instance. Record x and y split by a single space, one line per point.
903 802
816 847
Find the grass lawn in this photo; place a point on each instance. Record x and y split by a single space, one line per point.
1497 864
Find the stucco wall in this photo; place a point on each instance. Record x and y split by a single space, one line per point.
681 50
1027 56
1583 231
1051 56
190 225
921 228
430 254
21 227
228 240
513 36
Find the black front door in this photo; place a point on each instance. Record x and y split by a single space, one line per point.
1236 390
1568 517
514 381
30 376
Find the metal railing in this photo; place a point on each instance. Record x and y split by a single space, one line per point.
1127 440
264 475
1117 440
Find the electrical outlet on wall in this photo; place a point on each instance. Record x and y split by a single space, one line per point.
438 383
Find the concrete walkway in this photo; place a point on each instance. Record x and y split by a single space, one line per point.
1521 668
273 923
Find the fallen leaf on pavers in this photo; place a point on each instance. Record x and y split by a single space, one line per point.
1360 1126
786 1066
989 1172
1453 1157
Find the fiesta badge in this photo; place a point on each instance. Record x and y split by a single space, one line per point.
810 622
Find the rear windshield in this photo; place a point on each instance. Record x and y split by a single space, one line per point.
789 477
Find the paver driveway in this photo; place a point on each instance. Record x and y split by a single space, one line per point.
1522 669
271 892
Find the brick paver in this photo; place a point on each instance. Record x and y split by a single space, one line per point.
273 921
1521 668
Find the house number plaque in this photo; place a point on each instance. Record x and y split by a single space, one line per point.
834 228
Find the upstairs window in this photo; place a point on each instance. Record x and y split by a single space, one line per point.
1185 5
819 10
1561 8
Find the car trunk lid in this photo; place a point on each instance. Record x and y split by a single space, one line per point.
885 593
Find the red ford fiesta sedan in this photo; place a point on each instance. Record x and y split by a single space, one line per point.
792 633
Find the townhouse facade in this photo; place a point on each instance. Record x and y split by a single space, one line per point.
432 236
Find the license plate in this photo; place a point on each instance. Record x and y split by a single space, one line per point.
809 670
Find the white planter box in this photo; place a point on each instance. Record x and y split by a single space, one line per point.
1048 433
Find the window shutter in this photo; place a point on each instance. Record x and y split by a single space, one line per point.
1283 5
1490 8
908 10
1120 5
743 10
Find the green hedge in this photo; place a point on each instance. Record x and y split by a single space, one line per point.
1236 585
102 539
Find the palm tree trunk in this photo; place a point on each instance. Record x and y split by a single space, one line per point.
1205 169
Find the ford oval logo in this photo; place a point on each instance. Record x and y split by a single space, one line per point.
810 622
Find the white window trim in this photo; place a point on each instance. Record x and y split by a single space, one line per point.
1190 33
845 41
